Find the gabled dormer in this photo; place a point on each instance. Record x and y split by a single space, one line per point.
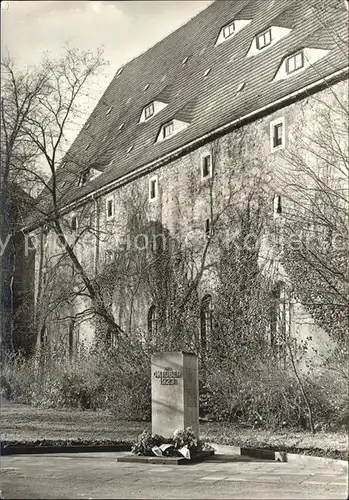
267 38
298 61
231 29
171 128
151 109
87 175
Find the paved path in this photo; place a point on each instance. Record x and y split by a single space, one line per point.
98 475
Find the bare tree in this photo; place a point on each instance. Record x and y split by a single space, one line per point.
38 109
315 187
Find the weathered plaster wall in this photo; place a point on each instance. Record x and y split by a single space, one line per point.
184 202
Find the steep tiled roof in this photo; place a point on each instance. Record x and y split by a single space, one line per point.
206 102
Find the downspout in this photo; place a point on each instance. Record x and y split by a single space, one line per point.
97 234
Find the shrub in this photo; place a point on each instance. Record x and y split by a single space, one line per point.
117 379
270 397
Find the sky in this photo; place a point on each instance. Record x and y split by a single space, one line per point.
123 28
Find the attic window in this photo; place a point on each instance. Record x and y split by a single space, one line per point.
87 126
87 146
185 60
207 72
119 71
121 126
167 129
146 87
263 39
229 30
295 62
130 149
149 111
109 110
63 184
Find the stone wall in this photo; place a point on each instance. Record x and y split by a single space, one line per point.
242 160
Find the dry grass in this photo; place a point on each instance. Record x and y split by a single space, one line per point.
322 443
24 423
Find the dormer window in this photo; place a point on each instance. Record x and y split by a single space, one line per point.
299 61
263 39
149 111
231 29
228 30
295 62
267 38
168 129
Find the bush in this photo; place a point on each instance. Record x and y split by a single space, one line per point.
270 397
117 379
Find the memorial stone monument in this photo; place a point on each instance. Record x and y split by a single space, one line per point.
175 392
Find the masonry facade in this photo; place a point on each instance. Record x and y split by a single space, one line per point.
197 197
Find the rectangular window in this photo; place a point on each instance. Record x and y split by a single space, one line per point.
153 188
168 129
277 134
149 111
84 177
74 223
206 166
207 227
110 208
264 39
277 206
294 62
228 30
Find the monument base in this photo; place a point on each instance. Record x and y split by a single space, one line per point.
199 457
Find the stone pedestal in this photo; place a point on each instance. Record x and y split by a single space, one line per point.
175 392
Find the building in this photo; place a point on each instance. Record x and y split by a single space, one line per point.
16 274
188 147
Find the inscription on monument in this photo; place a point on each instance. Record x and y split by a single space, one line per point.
168 376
